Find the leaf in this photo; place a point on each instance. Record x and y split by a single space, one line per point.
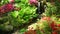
15 14
23 30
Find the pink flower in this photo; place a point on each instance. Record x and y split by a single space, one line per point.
9 6
46 18
33 2
58 25
6 8
54 33
11 0
53 25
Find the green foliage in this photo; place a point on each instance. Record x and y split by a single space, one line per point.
3 2
38 32
20 17
14 14
57 4
53 9
48 0
23 15
4 24
22 30
50 10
